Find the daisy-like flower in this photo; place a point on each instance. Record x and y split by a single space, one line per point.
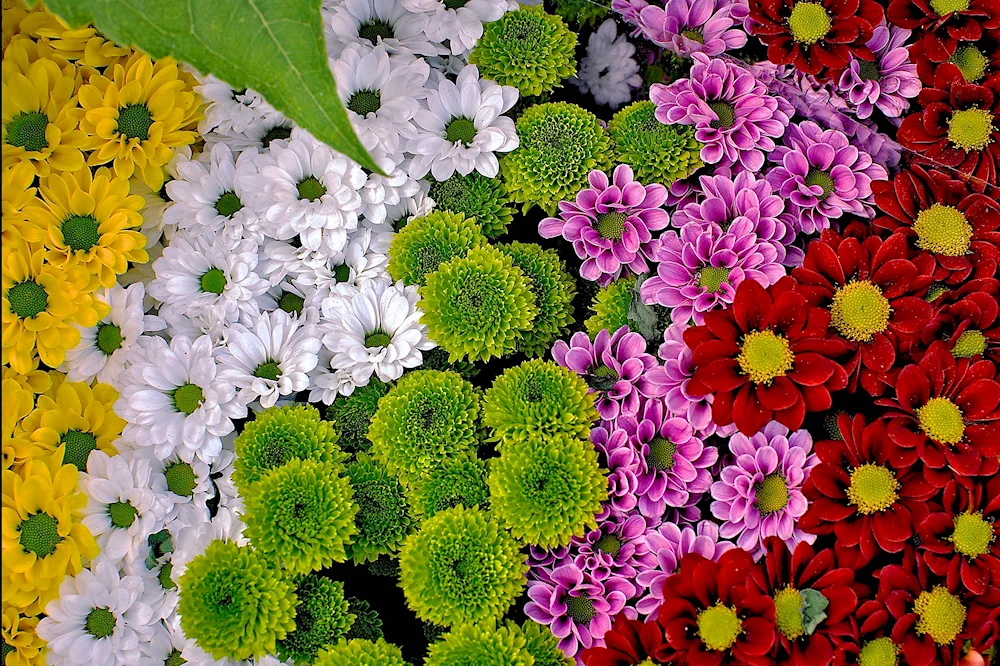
189 487
21 638
175 398
156 203
940 25
711 27
887 83
461 25
18 199
968 328
677 372
382 193
609 224
616 548
231 111
375 330
191 539
630 641
385 22
462 127
609 71
359 263
622 463
99 618
269 357
735 118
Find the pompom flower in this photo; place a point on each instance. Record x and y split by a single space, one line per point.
322 617
553 288
383 518
657 153
361 652
477 197
454 481
480 644
430 240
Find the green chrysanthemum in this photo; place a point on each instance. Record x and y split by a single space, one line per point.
543 646
383 518
483 199
460 480
460 567
234 604
657 153
367 624
352 414
280 434
481 645
384 566
547 488
359 652
478 306
429 416
302 515
528 48
560 145
322 617
437 359
554 290
427 242
539 398
581 12
611 307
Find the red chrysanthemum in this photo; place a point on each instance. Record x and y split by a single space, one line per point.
865 647
976 60
946 413
874 294
817 36
630 642
813 598
968 328
768 357
940 215
959 127
713 615
962 543
855 494
942 24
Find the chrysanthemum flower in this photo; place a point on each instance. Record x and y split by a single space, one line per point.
695 26
374 22
322 617
18 201
942 24
657 152
888 82
457 480
968 328
623 466
480 644
609 71
630 642
554 289
21 636
615 548
461 25
477 197
383 519
428 241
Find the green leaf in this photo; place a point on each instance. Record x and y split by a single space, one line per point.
643 318
275 47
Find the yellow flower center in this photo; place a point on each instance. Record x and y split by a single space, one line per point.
943 230
970 343
134 122
27 299
971 62
27 130
788 612
809 22
970 129
611 225
764 356
859 311
941 420
661 454
39 534
719 626
942 615
772 494
181 479
935 291
79 444
879 652
712 278
873 488
945 7
973 534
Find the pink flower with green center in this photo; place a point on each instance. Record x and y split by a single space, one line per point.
692 26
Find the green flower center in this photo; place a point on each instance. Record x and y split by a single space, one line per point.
945 7
941 615
772 494
109 338
869 71
859 311
694 36
460 129
661 454
611 225
374 30
80 232
276 133
311 189
711 278
5 650
291 303
719 626
971 62
79 444
943 230
609 544
378 339
364 102
879 652
821 178
181 479
134 122
213 281
970 129
809 22
602 378
342 273
581 608
455 4
970 343
174 658
39 534
27 299
122 514
973 534
788 612
873 488
941 420
166 582
269 370
101 623
765 356
228 204
188 398
726 113
27 130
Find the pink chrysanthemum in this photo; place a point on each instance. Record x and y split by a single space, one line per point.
711 27
888 83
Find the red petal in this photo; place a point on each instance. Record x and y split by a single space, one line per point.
910 314
781 394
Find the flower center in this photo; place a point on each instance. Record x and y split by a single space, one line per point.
661 454
873 488
5 650
970 343
455 4
945 7
364 102
188 398
943 230
609 544
725 113
180 479
374 30
869 71
101 623
269 370
611 225
163 576
694 35
859 311
460 129
79 444
719 626
174 658
276 133
378 338
342 273
27 130
821 178
942 615
772 494
134 122
973 534
311 189
581 608
712 278
109 338
80 232
27 299
970 129
602 378
809 22
228 204
788 612
765 356
970 61
291 303
122 514
879 652
941 420
39 534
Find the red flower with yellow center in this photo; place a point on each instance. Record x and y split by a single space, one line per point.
940 25
968 328
630 642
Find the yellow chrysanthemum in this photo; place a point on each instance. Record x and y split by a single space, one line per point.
13 12
90 220
43 538
41 121
18 198
22 646
35 380
17 403
83 45
41 304
136 113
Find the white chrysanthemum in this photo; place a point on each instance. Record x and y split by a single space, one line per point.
380 93
156 202
261 135
374 22
376 330
282 261
380 192
462 127
406 210
99 618
357 264
189 484
462 26
175 400
327 383
608 71
107 348
268 357
159 591
303 188
231 110
163 645
192 539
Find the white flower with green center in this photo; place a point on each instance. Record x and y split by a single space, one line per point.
381 192
99 618
152 565
374 22
188 487
462 127
608 71
156 202
190 539
228 110
357 264
327 382
460 22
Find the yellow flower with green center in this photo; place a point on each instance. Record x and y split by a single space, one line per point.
971 62
719 626
771 494
18 200
859 311
970 343
879 652
764 356
873 488
941 615
941 420
35 380
81 45
971 129
21 640
809 22
945 7
973 534
788 612
943 230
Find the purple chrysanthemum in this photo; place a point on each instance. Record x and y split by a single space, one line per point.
629 11
734 116
575 606
760 494
823 176
699 269
610 224
669 543
616 548
616 367
622 464
711 27
887 83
